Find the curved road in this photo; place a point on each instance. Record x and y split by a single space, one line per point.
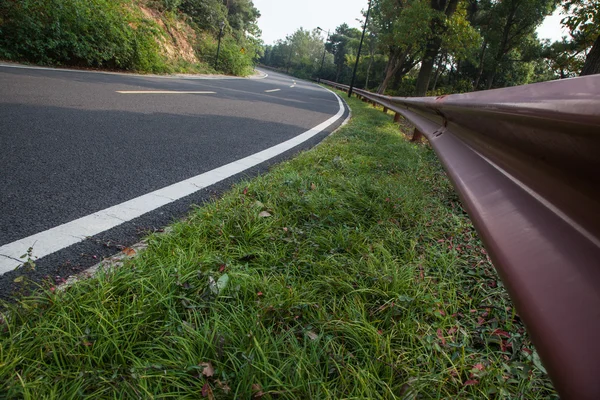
89 161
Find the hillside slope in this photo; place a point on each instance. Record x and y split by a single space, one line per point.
153 36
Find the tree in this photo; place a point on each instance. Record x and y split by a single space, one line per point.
443 10
299 53
583 22
510 22
402 31
343 41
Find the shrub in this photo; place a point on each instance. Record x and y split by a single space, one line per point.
232 59
92 33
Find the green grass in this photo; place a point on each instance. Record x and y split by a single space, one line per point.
364 280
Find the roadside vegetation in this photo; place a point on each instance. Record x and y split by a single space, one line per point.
350 271
419 47
157 36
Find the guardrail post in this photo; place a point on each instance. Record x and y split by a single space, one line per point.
397 117
417 135
385 110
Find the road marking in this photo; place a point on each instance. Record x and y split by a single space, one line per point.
70 233
272 90
159 92
293 86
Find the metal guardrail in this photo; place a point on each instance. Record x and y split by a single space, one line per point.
526 163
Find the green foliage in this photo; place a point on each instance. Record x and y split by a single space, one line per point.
164 5
300 53
206 14
241 46
91 33
234 59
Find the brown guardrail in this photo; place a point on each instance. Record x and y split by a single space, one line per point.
526 163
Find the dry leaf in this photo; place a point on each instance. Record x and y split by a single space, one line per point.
313 186
312 335
224 386
264 214
207 370
207 392
257 389
129 252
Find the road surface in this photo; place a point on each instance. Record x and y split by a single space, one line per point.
91 161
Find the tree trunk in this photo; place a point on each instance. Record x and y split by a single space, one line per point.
393 64
439 71
480 71
433 47
434 44
389 73
368 72
491 78
592 61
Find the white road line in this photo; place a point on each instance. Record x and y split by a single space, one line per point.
160 92
65 235
272 90
293 86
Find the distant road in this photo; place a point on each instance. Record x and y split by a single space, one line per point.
105 157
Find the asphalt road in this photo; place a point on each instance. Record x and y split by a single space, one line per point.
74 143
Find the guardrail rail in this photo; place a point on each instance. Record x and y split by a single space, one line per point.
525 162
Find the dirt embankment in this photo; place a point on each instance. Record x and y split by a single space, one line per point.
177 38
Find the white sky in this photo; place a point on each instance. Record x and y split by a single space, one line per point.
551 28
282 17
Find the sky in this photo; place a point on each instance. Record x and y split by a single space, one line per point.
282 17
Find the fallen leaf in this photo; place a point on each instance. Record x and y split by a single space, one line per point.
265 214
129 252
88 344
479 367
224 387
212 285
222 283
257 389
440 336
19 279
207 392
470 382
207 369
259 294
312 335
500 332
222 267
245 192
313 186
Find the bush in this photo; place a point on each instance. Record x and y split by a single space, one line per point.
232 60
90 33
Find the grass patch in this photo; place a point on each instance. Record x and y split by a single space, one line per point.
350 271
